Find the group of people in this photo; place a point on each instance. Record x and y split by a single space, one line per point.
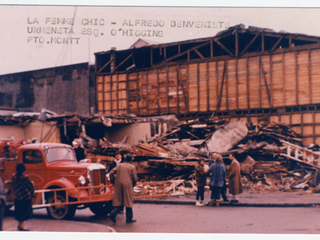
218 174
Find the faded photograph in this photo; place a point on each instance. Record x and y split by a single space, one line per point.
199 120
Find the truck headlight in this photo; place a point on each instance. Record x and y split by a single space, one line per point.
82 180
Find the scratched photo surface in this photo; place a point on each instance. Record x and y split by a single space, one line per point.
46 37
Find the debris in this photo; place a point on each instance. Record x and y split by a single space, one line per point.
262 150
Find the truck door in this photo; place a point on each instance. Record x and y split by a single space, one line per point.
34 163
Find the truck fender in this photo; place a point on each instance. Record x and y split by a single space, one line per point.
59 183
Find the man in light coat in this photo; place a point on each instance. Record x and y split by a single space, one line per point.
124 178
234 175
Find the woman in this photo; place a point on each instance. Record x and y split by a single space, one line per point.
23 193
217 172
201 179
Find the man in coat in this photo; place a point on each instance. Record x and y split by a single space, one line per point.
124 178
234 175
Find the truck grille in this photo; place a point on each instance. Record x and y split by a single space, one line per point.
98 177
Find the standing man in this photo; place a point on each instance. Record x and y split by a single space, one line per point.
124 178
2 203
80 154
234 175
117 159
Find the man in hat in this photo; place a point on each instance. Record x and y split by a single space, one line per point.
117 159
124 178
80 154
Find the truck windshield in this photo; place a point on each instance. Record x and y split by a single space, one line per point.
59 154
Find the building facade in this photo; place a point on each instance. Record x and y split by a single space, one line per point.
252 74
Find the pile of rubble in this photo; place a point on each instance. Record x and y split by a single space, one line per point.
266 163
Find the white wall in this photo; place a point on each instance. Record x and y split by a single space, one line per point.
32 130
135 132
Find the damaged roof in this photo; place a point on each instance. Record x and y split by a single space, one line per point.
234 42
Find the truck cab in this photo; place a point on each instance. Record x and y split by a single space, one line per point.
62 184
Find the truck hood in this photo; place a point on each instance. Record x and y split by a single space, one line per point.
75 165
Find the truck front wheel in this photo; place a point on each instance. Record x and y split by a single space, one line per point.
101 208
60 211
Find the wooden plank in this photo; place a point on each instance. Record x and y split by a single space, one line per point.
221 87
123 61
138 92
313 126
249 44
283 80
147 92
259 81
276 44
217 86
117 92
237 44
208 92
262 42
223 47
265 82
106 64
177 91
211 48
167 88
296 71
128 102
248 86
254 82
309 76
271 80
158 96
111 76
188 103
227 97
212 86
242 83
237 80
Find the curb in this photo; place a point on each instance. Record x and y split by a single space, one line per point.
231 205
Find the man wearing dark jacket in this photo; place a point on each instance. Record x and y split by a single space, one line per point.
117 159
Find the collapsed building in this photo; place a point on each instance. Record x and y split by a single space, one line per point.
252 74
262 82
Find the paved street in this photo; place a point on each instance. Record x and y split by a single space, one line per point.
191 219
164 218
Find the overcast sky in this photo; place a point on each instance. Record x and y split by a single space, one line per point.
37 37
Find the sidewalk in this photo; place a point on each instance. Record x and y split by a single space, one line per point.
247 199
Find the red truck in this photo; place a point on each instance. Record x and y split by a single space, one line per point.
62 184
